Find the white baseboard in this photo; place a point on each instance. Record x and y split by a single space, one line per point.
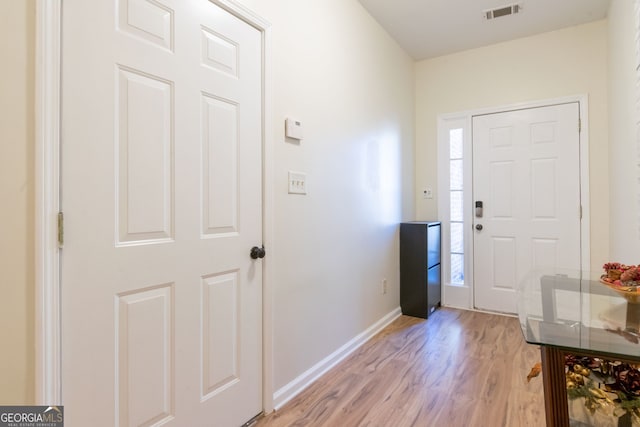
289 391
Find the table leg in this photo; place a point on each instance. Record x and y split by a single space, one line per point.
633 318
555 388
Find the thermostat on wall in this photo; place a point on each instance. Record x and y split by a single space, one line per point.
293 129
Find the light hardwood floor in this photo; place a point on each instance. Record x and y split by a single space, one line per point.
458 368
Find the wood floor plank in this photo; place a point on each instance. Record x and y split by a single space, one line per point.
458 411
525 409
458 368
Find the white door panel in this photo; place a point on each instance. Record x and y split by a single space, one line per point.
162 194
526 171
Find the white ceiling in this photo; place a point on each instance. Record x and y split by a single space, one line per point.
429 28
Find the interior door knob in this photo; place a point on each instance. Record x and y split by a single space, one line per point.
257 252
479 227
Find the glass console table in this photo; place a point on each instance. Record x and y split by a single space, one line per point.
572 312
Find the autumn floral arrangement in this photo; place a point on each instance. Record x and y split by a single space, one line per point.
618 274
610 386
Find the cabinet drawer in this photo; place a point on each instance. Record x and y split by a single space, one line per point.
433 288
433 245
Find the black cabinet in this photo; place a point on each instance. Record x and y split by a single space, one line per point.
419 268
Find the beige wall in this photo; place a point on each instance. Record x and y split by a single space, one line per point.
567 62
351 85
17 196
623 159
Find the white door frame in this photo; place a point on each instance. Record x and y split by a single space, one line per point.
463 296
47 175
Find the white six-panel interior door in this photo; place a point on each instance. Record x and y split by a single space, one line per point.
526 173
162 196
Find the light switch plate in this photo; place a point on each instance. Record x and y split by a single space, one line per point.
297 183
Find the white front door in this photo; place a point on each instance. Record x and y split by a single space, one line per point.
162 197
526 174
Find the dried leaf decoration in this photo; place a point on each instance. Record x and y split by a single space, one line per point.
535 371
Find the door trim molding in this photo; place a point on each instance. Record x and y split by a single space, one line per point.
48 332
463 297
47 182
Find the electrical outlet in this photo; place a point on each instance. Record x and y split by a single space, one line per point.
384 286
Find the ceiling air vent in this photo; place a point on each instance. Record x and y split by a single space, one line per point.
499 12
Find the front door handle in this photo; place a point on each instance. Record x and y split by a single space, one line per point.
479 227
257 252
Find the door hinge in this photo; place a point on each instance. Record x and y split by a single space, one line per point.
580 211
60 229
579 125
